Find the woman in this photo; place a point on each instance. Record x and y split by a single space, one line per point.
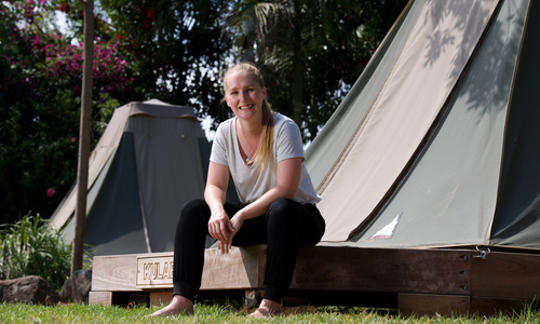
262 151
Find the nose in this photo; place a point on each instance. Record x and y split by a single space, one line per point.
243 95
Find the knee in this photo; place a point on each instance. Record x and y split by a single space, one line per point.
194 211
282 211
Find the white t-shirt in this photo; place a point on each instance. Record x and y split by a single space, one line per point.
252 182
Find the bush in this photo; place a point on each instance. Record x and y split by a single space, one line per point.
31 247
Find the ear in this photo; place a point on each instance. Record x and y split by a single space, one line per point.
226 99
264 92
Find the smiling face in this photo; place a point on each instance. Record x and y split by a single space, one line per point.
244 95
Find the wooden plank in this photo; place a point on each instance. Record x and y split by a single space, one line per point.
383 270
159 298
239 269
318 268
429 304
100 298
155 271
493 306
506 275
114 273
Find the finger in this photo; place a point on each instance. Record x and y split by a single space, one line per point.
220 246
212 231
226 244
217 231
222 230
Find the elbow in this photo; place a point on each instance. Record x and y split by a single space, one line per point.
291 194
288 193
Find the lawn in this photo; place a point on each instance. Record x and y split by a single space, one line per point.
224 313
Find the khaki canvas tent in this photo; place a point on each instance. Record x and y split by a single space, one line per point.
151 159
438 142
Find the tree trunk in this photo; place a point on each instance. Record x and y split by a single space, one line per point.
84 137
298 66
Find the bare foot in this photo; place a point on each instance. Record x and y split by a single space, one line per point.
267 308
178 305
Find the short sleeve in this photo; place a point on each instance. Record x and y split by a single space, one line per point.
219 151
288 141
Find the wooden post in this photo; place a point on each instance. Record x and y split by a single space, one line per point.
84 137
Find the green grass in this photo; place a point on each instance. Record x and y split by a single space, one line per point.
219 313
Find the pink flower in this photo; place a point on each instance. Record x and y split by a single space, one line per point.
50 192
73 139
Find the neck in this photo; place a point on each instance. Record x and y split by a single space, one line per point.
250 129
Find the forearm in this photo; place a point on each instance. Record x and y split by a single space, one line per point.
260 206
214 197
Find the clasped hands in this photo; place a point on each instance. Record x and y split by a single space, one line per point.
223 229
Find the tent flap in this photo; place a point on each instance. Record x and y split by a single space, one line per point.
437 49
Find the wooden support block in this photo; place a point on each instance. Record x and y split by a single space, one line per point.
493 306
506 275
160 298
427 304
241 268
114 273
100 298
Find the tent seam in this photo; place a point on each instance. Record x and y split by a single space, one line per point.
508 105
417 154
347 148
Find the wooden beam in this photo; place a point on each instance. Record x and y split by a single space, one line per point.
240 269
506 275
383 270
414 280
115 273
428 304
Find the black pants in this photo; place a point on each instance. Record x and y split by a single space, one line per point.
285 226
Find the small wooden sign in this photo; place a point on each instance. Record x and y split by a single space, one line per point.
153 272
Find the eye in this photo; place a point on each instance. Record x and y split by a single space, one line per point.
234 92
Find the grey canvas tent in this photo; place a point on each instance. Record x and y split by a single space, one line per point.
437 144
151 159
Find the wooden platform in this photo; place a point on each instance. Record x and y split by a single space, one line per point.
410 280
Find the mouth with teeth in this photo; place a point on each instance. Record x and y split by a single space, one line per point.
246 107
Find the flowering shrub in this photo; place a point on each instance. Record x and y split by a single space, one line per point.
40 85
66 61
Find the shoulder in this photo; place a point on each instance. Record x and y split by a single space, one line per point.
224 128
225 125
284 123
285 126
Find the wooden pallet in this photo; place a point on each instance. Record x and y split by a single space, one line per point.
421 281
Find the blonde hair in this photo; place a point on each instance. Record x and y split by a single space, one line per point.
264 154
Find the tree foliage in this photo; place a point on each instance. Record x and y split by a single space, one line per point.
310 51
176 47
39 106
